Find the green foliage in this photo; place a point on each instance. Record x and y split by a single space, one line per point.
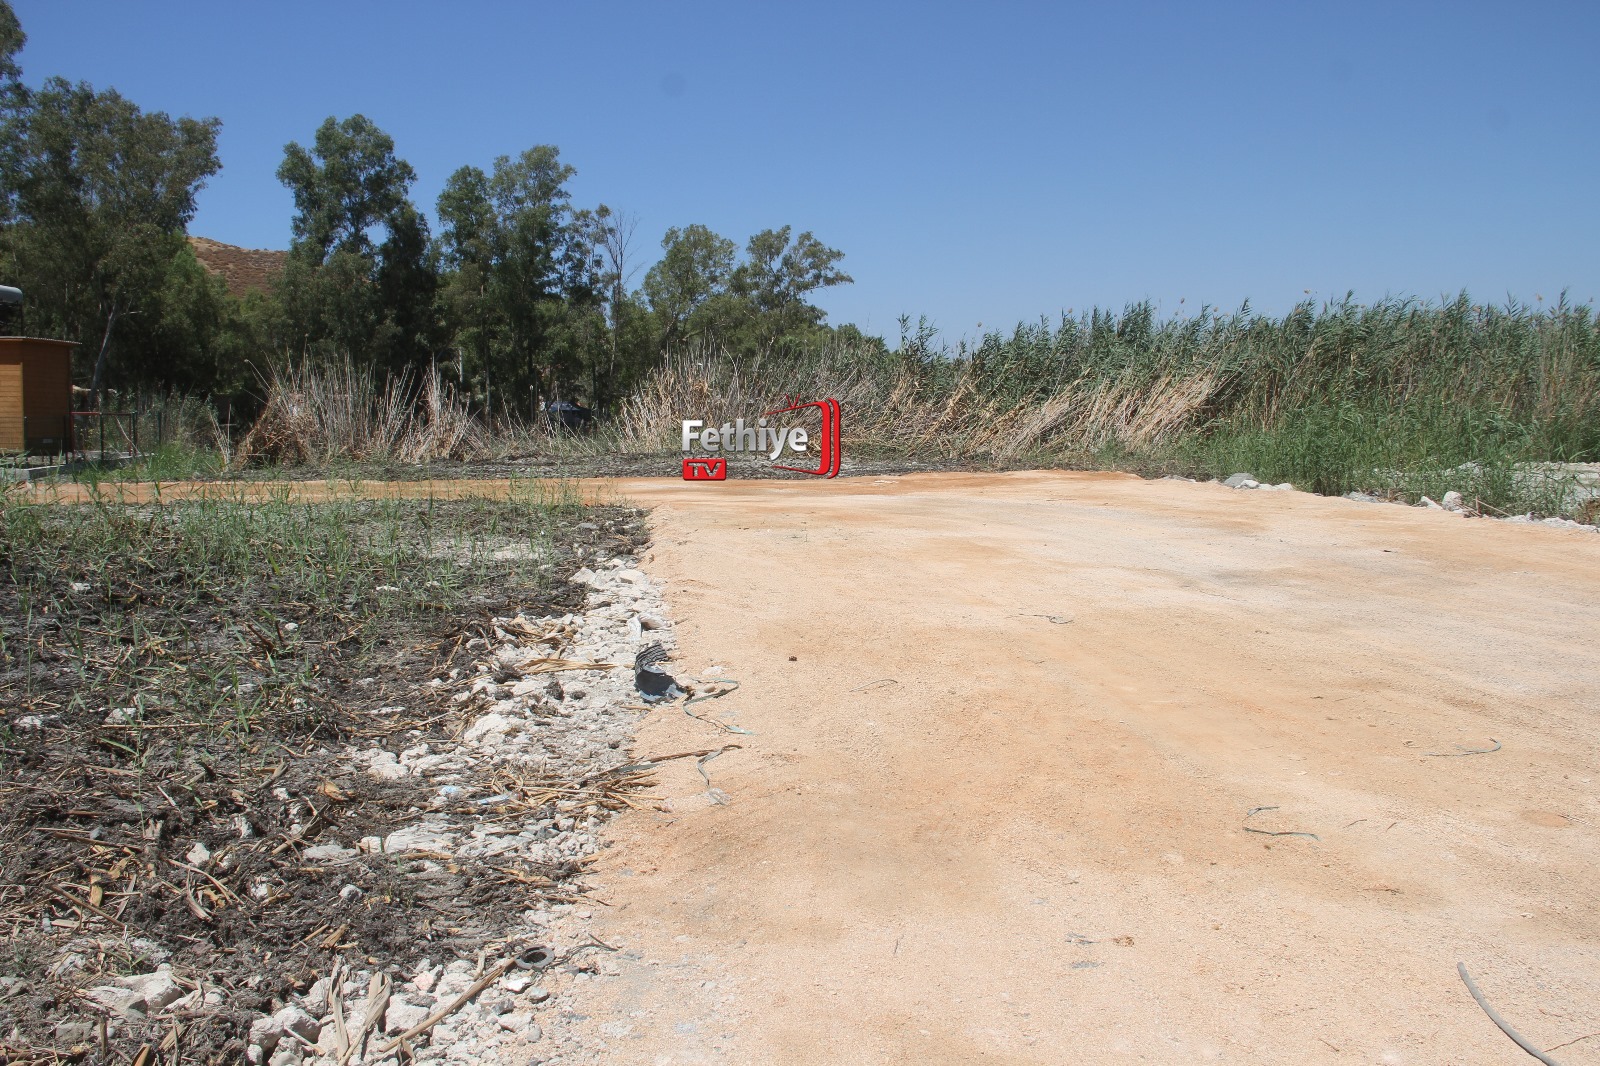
358 282
524 280
99 195
700 294
695 266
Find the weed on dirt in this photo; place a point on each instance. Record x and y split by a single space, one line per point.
177 680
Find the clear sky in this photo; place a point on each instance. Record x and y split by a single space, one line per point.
985 162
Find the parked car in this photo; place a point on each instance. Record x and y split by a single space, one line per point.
569 415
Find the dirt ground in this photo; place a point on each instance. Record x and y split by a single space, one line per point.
1006 735
1008 731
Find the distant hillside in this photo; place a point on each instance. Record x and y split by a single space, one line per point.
242 269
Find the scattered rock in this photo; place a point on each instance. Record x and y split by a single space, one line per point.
123 1002
385 765
317 999
520 1022
198 855
1242 481
489 725
139 995
159 990
420 837
70 1033
265 1033
402 1015
297 1021
1452 501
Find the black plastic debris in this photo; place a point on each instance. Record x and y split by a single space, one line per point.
653 682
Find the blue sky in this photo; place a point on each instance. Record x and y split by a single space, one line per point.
976 163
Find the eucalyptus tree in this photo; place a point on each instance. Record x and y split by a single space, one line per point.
358 281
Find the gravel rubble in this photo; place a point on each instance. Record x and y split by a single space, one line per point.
566 724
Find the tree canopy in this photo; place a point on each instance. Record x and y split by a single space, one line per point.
522 294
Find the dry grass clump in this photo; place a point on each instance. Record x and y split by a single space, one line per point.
901 410
320 414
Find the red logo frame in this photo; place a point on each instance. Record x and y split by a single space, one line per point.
831 443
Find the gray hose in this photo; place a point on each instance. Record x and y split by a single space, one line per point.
1522 1041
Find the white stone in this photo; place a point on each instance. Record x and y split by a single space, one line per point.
158 990
1452 501
489 725
317 999
421 837
122 1001
265 1034
520 1022
385 766
402 1015
69 1033
197 855
297 1021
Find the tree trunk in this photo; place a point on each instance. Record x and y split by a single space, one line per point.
100 360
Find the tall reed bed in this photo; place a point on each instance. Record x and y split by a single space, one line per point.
1395 395
1401 395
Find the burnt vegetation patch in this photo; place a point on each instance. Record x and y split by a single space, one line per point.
179 683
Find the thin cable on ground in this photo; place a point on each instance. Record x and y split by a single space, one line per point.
1522 1042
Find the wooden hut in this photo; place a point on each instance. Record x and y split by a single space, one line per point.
35 394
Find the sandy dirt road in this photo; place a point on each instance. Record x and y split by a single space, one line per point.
994 809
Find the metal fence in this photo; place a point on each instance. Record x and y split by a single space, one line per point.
96 434
83 434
